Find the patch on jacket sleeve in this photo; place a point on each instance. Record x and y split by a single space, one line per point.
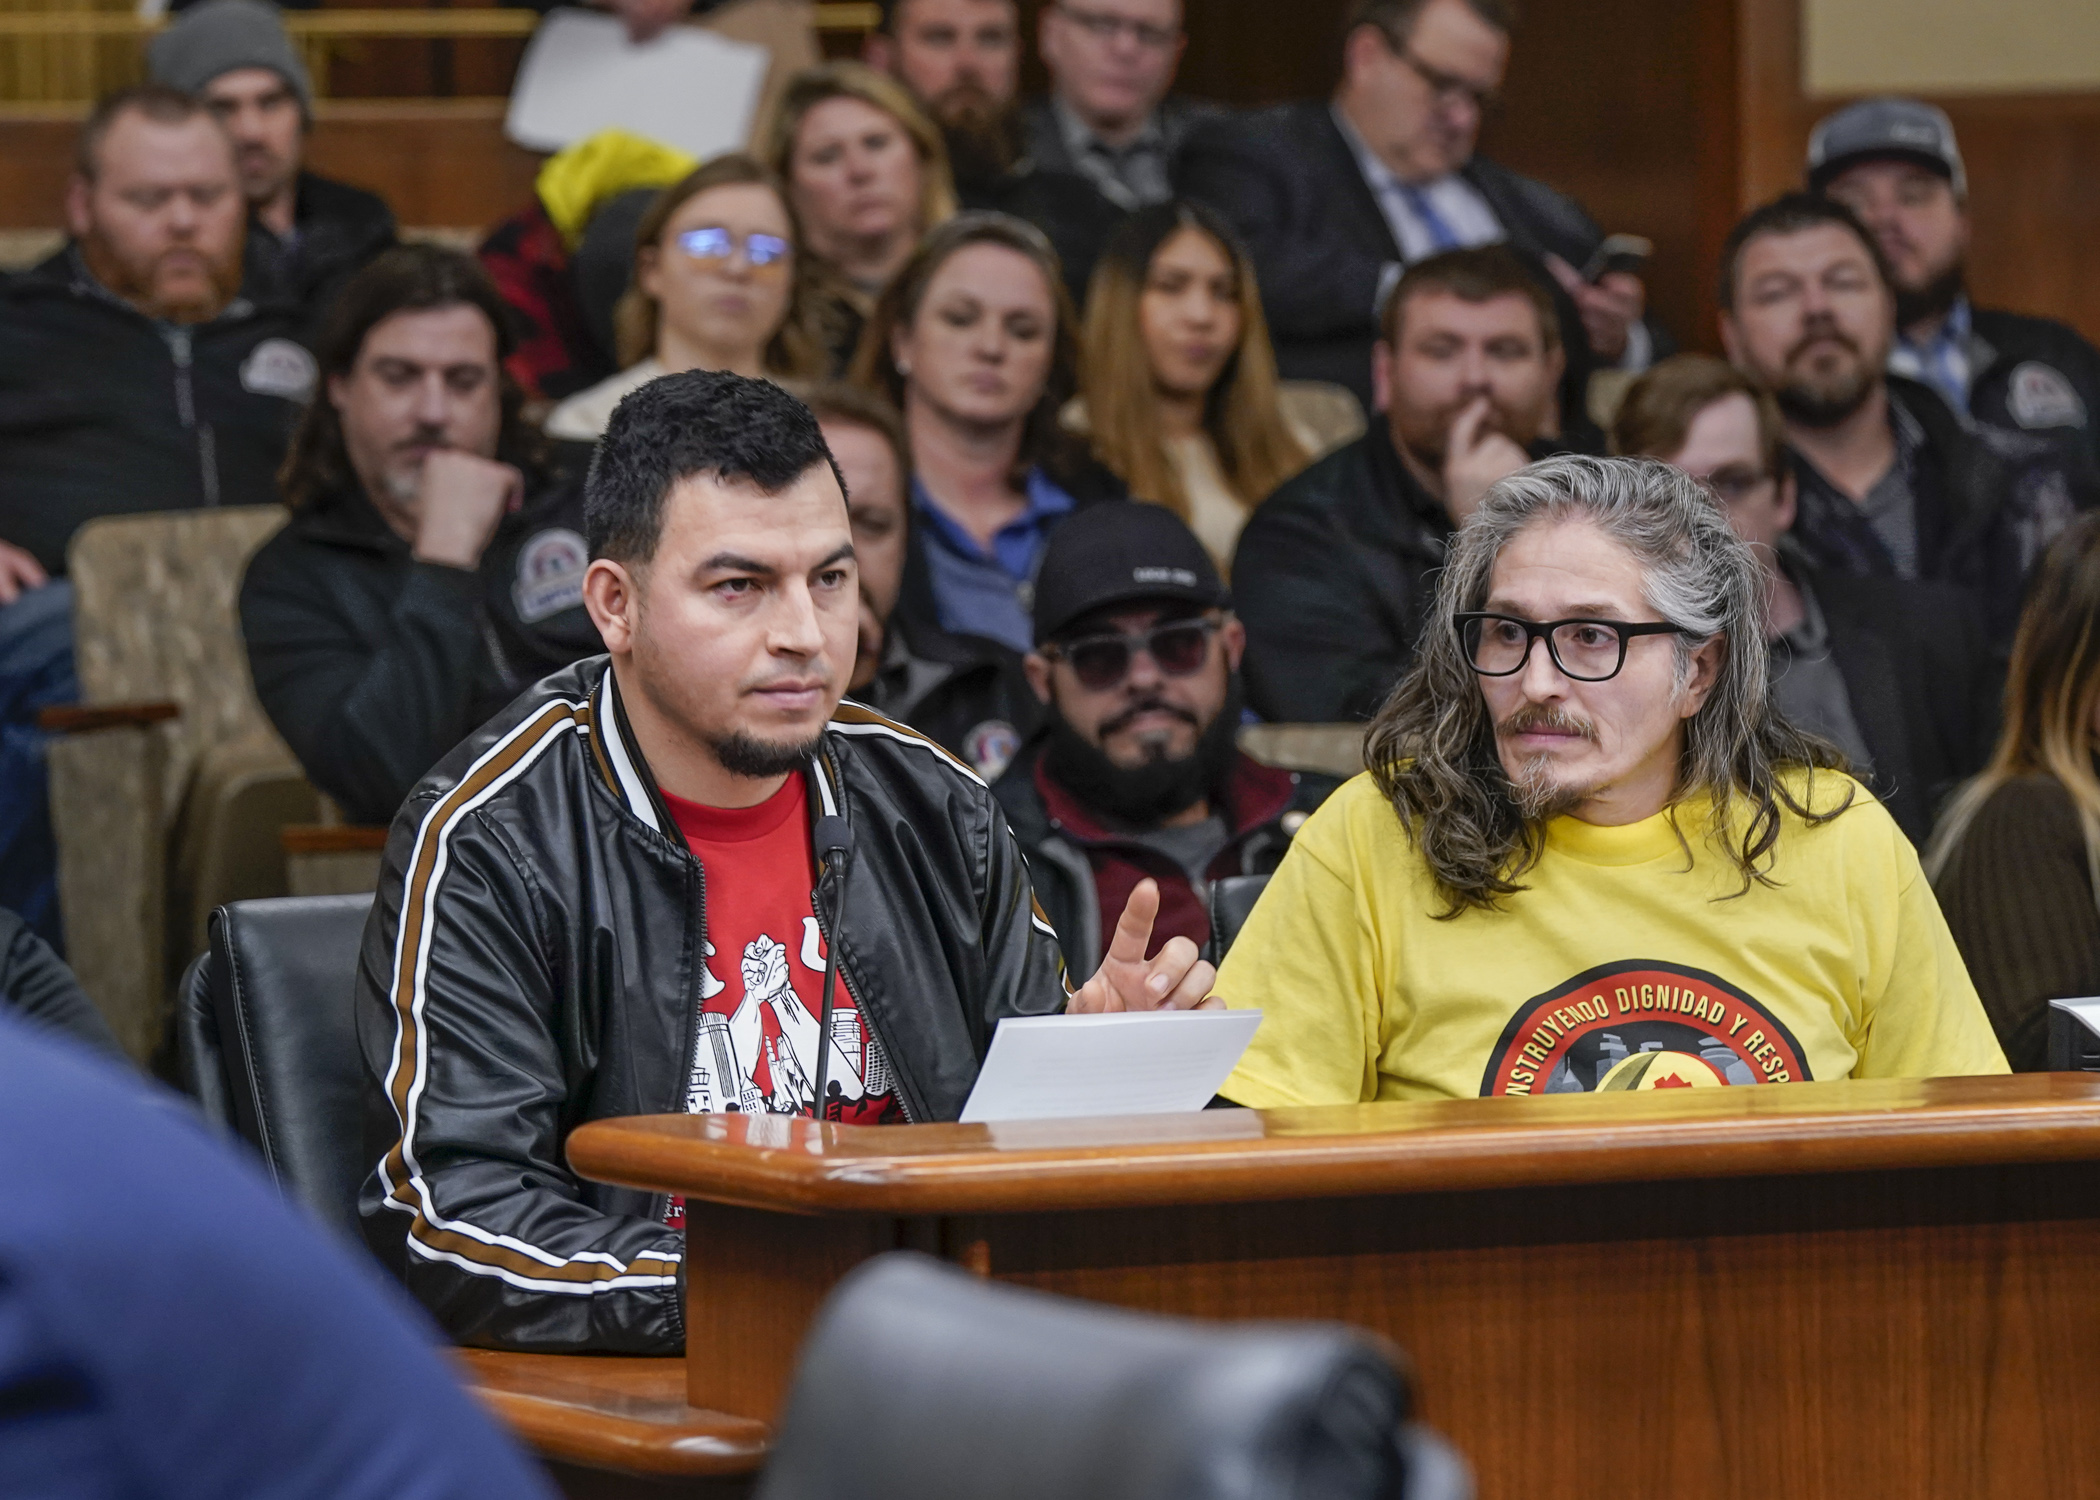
551 566
2041 396
279 367
990 747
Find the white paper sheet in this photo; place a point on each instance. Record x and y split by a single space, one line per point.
1133 1063
688 88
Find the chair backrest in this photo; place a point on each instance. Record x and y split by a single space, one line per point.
270 1008
156 617
1231 903
922 1381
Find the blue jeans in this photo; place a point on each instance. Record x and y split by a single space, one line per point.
36 671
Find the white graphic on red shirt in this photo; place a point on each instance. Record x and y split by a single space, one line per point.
758 1059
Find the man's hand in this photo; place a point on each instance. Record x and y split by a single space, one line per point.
1177 978
646 20
19 573
1609 309
463 498
1476 458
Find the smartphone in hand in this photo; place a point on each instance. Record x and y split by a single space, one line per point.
1619 252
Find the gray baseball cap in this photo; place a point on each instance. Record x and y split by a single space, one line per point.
1877 129
221 35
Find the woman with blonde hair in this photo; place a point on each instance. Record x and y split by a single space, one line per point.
719 284
867 173
2016 858
1181 397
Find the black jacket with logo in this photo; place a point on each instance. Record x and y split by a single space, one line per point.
372 665
2035 375
966 693
105 411
534 960
336 228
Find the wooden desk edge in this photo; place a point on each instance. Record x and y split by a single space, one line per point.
622 1414
659 1154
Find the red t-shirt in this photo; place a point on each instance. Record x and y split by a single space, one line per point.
764 991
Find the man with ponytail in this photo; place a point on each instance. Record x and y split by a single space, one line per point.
1590 854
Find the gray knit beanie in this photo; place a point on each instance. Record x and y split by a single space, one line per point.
221 35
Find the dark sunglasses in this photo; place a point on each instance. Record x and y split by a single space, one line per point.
1180 647
1585 650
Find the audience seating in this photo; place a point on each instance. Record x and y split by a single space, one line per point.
922 1382
1324 749
267 1039
167 792
1231 903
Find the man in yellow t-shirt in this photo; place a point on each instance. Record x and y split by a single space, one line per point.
1591 855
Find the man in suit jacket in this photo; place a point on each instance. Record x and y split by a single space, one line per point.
1897 673
1333 197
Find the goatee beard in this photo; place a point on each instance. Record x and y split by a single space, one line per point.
1145 796
1827 406
982 135
761 760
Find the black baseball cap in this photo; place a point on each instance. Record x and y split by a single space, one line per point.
1121 552
1883 130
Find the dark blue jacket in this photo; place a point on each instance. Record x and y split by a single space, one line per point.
170 1327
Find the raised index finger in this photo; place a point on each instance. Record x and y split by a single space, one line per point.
1134 928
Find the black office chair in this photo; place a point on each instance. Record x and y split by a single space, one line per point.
922 1382
267 1039
1231 903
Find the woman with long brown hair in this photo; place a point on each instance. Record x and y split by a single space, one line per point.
2016 858
974 343
720 283
1181 397
867 173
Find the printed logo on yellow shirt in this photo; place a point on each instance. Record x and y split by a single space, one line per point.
1588 1033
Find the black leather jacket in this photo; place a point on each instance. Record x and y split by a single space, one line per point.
534 960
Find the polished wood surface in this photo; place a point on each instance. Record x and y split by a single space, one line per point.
76 718
1855 1289
764 1161
608 1412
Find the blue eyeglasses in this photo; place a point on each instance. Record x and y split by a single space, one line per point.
762 251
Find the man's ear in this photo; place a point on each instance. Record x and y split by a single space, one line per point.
1789 495
1381 376
78 218
1360 49
1706 670
1234 635
613 596
1731 340
1038 669
878 51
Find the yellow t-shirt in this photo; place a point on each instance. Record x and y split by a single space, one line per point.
1618 948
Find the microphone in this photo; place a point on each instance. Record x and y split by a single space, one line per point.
833 837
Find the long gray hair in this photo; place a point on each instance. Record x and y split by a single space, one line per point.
1432 748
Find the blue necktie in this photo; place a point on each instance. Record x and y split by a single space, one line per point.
1441 237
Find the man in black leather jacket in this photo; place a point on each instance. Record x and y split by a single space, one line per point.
562 918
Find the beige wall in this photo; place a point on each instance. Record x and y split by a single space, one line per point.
1950 46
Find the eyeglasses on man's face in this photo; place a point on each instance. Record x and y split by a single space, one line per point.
1446 88
1584 650
762 252
1733 483
1178 647
1103 27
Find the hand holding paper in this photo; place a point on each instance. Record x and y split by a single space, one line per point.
1176 978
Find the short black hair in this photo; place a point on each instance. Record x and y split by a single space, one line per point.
1791 213
698 422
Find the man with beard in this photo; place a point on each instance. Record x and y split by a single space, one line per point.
432 567
1891 481
1137 776
1590 854
1333 571
133 377
962 59
306 233
1895 164
609 901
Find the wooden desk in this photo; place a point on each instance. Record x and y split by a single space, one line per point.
1848 1289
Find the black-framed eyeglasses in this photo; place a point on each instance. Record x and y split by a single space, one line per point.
1735 482
1106 28
1448 88
1180 647
1585 650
